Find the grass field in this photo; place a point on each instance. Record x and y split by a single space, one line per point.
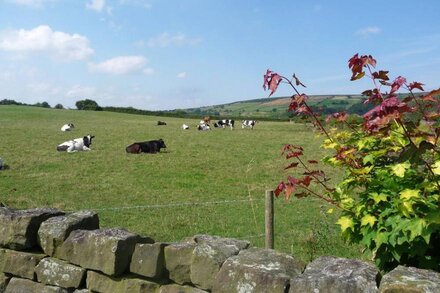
202 183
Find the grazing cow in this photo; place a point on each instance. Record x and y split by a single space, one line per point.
225 122
161 123
203 126
248 123
77 144
67 127
185 127
151 147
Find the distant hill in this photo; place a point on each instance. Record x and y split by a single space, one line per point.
276 108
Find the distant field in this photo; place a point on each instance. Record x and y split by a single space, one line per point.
201 184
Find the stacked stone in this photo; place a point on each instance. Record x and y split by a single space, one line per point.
47 250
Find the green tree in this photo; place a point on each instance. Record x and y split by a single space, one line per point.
88 104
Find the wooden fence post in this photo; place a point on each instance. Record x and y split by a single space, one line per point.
269 219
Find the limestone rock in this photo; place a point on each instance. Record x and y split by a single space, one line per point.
202 238
52 271
2 259
4 280
410 280
148 260
55 230
174 288
178 261
332 274
206 261
21 264
97 282
257 270
105 250
19 228
17 285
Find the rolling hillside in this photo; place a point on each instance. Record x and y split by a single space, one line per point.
276 108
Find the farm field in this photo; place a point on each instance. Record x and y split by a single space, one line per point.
209 182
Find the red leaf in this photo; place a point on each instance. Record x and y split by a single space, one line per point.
306 180
398 82
415 85
281 186
293 165
383 75
271 81
289 190
294 154
312 162
297 81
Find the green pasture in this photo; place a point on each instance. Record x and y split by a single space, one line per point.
205 182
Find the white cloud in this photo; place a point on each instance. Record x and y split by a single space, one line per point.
30 3
123 65
43 39
181 75
371 30
97 5
165 40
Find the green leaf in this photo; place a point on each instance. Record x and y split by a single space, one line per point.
436 168
416 228
378 197
410 194
368 220
345 223
399 169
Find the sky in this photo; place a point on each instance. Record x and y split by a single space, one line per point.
171 54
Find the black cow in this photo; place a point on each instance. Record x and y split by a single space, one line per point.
151 147
161 123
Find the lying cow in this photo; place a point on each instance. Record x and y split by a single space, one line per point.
248 123
203 126
185 127
151 147
161 123
67 127
225 122
77 144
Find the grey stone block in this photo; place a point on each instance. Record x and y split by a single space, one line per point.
178 258
17 285
55 230
410 280
105 250
19 228
52 271
332 274
174 288
148 260
97 282
257 270
22 264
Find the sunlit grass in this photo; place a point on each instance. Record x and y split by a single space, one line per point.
200 184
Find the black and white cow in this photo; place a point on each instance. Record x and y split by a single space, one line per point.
248 123
151 147
77 144
203 126
67 127
225 122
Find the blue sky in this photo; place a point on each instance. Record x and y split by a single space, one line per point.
160 55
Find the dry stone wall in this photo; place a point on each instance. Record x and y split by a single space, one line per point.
47 250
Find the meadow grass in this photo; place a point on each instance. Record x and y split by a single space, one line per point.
201 183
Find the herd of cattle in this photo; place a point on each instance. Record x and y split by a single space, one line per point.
152 146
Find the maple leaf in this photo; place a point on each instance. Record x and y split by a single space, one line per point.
397 83
271 81
383 75
409 194
345 223
292 165
415 85
399 169
281 186
368 220
338 116
297 81
436 168
312 161
306 180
